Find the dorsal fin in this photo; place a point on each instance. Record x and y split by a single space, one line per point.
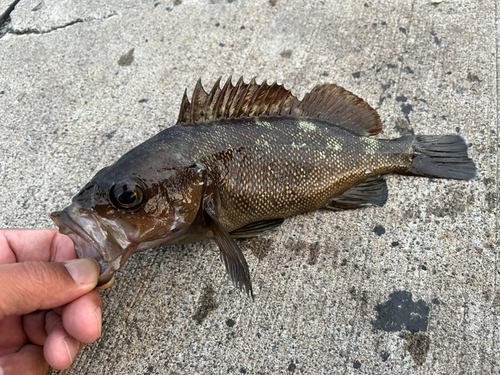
327 102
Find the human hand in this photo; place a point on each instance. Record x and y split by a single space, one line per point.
48 305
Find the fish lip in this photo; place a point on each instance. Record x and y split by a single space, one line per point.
73 226
85 246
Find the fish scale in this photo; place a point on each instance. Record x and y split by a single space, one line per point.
238 162
298 174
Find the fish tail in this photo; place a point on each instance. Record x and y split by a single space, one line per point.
442 156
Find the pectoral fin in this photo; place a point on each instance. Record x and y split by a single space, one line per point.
257 228
371 192
233 258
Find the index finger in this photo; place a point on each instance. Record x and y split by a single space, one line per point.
47 245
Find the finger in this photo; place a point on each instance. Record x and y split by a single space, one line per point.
82 318
60 348
11 337
28 360
31 286
34 327
35 244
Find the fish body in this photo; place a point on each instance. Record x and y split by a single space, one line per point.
238 162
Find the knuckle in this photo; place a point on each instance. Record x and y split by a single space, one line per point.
40 279
42 274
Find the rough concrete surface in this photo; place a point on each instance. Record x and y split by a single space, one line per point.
409 288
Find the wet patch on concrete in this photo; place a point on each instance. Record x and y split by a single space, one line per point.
379 230
300 247
361 296
403 126
417 344
260 247
286 54
451 203
127 59
401 313
206 304
313 253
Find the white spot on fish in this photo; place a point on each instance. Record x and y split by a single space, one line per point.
306 125
368 171
260 122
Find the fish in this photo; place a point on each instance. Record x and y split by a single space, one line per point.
241 159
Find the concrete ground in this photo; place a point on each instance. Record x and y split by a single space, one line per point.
409 288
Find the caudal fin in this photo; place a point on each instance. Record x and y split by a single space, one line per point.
442 156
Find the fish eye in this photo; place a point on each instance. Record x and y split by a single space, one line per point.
127 195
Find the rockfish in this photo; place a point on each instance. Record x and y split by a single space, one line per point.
239 161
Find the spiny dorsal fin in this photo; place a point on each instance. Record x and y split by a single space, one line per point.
327 102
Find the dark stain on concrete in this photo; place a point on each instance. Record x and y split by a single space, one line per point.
273 2
260 247
379 230
110 134
301 247
385 356
292 367
387 85
401 313
356 364
417 344
403 126
406 108
38 7
127 59
491 199
486 181
286 54
472 77
313 253
361 296
297 247
356 75
177 2
230 323
206 304
452 202
403 30
496 299
437 41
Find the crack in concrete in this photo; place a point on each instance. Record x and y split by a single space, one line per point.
33 30
5 18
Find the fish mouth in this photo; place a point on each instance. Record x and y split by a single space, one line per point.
92 239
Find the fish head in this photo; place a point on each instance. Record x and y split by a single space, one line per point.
119 213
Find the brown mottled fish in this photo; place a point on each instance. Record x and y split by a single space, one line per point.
238 161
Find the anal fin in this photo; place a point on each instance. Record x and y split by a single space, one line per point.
257 228
371 192
231 254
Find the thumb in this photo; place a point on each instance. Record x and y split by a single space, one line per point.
31 286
